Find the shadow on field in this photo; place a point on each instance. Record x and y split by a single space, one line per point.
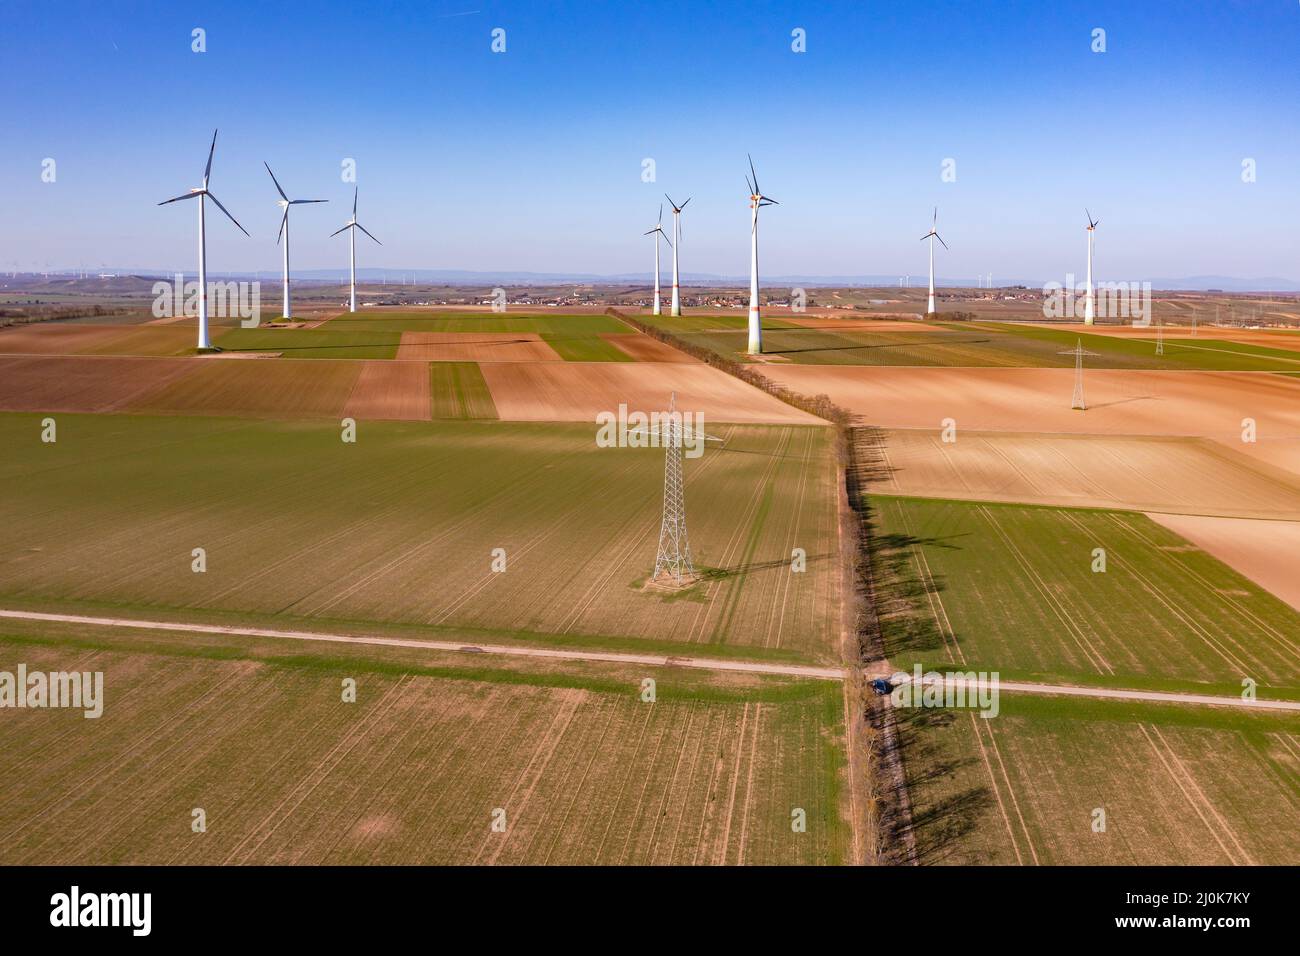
779 564
938 826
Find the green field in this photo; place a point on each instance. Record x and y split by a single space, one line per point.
584 348
1178 785
458 391
1010 588
412 771
401 527
324 342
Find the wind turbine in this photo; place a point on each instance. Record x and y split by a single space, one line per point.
756 202
932 235
353 226
286 202
677 241
658 232
202 193
1089 310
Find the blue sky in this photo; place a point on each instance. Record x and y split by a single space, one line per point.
531 159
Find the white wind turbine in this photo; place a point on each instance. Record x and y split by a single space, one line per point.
1089 309
756 202
658 233
202 193
932 235
677 241
352 228
286 202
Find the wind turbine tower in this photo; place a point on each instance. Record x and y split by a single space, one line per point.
658 233
352 227
1089 308
932 235
203 194
756 202
676 308
285 202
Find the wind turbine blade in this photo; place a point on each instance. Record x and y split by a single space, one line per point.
749 186
337 231
688 201
299 202
934 221
354 202
278 187
1089 215
941 242
676 208
1096 224
927 236
648 231
178 198
770 202
367 232
207 171
752 172
227 212
283 220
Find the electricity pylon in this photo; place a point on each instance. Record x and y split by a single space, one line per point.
673 559
1078 352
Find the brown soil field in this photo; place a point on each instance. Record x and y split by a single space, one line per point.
476 347
390 390
1088 471
52 383
1267 338
1120 402
49 338
643 348
279 388
578 391
1267 552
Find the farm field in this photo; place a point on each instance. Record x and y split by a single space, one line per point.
458 391
1011 588
324 342
1267 552
806 340
1191 404
475 347
1023 787
413 771
578 392
388 391
401 526
1186 475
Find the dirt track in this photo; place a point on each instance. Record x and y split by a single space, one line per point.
649 660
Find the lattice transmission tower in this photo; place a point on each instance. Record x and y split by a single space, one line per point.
673 562
1078 352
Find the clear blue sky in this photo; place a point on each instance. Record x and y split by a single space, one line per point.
531 159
